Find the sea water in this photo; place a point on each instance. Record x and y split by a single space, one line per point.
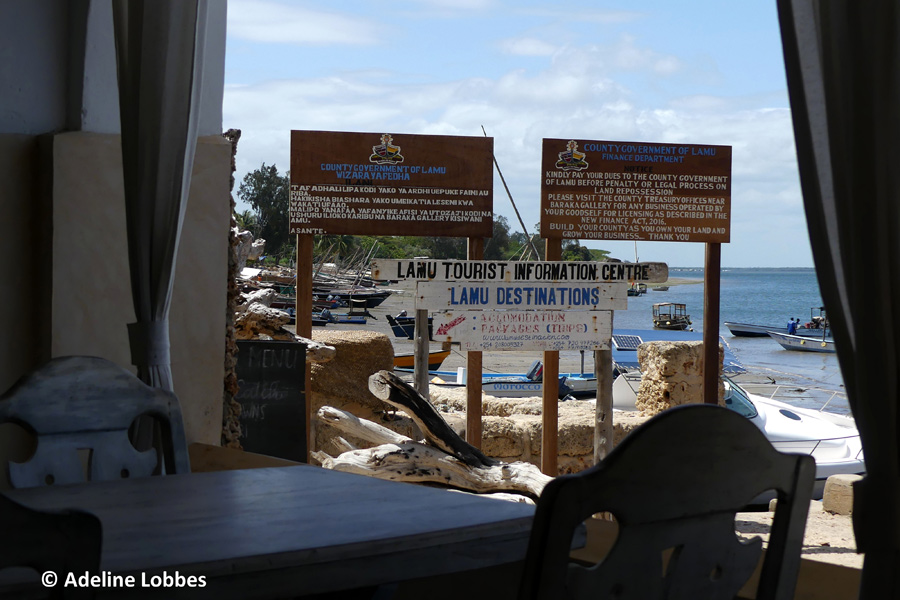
764 296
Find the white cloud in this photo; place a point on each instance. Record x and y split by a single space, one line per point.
585 92
272 22
527 47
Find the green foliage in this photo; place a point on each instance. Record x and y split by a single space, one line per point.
268 193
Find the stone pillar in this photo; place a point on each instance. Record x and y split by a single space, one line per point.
672 374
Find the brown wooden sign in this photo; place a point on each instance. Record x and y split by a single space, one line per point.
604 190
391 184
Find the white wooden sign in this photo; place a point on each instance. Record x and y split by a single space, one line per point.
516 271
524 330
450 295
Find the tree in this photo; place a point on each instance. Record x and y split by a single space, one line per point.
268 194
497 247
246 221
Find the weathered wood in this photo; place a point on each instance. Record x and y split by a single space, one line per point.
359 428
286 532
393 390
455 295
419 463
79 403
511 271
519 330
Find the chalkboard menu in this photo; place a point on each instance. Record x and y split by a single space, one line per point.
271 378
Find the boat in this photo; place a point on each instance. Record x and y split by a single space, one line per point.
751 330
831 439
346 319
803 343
503 385
817 326
637 289
404 326
660 288
670 315
625 343
406 360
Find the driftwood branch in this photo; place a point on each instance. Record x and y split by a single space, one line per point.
418 463
386 386
359 428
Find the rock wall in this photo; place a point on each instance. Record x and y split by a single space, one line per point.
343 383
511 427
672 374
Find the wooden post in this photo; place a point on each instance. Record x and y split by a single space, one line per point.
421 345
474 367
550 405
303 318
603 408
712 277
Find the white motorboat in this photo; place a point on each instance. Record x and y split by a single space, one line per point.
831 439
803 343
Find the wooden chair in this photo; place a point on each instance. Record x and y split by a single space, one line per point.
80 409
62 542
674 486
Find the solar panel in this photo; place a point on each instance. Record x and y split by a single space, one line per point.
627 342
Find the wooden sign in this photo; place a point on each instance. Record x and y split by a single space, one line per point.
524 330
515 271
391 184
602 190
438 295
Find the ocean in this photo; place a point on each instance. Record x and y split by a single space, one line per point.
766 296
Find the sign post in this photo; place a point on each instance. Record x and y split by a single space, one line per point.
385 184
511 305
606 190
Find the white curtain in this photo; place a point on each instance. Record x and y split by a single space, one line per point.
159 58
843 68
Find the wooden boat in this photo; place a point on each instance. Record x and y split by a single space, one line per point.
670 315
405 327
803 343
637 289
817 326
406 360
750 330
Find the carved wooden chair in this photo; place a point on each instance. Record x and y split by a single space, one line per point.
61 542
80 409
674 486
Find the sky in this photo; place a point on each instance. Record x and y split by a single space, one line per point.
692 72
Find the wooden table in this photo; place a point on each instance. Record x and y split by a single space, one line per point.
289 530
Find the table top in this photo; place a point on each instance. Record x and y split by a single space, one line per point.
299 529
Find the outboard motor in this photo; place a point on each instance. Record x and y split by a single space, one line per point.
535 371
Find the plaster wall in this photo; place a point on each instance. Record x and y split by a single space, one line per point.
58 67
19 303
91 291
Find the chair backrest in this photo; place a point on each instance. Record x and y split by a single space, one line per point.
674 486
62 542
80 409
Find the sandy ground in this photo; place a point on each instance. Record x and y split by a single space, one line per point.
828 537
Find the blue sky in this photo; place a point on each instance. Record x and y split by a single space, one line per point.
696 72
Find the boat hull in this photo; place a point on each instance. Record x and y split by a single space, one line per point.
802 343
752 330
406 360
